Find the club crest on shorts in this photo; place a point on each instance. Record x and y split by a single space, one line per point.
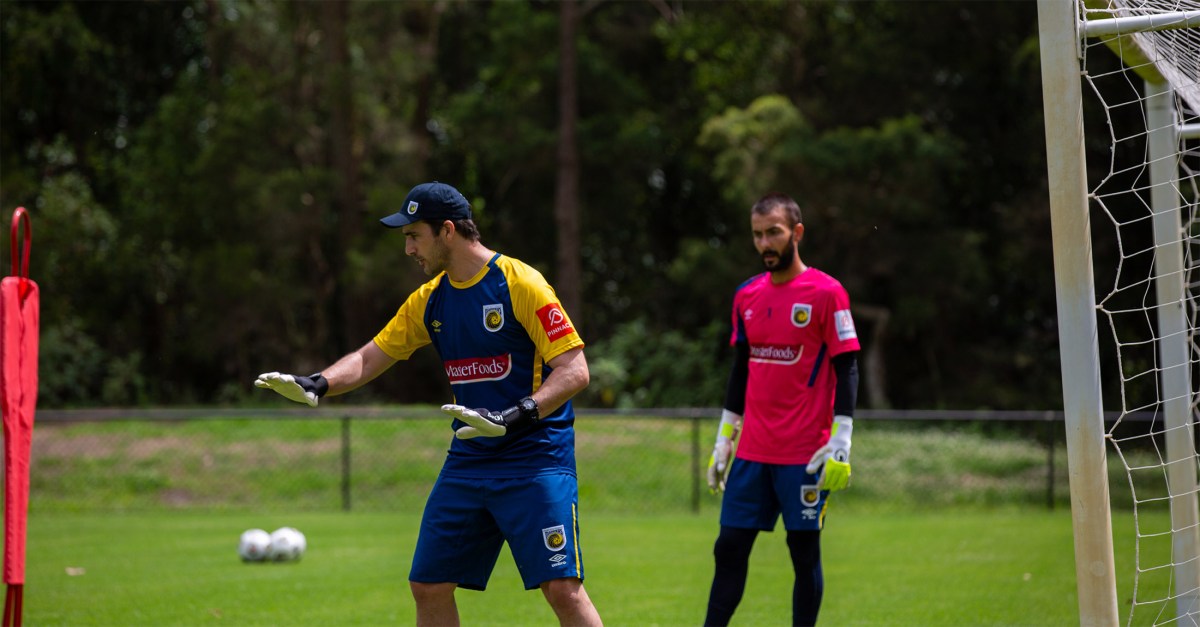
493 317
555 537
801 314
809 495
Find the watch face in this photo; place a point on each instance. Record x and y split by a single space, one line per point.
529 405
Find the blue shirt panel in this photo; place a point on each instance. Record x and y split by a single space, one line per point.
457 324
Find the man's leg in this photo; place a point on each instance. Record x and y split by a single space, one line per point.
732 553
435 604
571 602
805 547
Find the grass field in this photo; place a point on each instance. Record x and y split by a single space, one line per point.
947 567
136 523
629 463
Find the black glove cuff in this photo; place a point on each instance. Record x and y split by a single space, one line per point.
320 385
524 413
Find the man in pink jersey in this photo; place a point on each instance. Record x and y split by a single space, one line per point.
791 395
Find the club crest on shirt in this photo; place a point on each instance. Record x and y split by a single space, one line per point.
493 317
555 537
801 314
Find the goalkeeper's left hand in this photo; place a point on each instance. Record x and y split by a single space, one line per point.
833 459
491 424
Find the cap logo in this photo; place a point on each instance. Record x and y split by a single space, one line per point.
412 208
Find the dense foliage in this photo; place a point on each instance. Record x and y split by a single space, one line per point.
205 179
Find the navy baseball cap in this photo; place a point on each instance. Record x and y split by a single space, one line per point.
430 201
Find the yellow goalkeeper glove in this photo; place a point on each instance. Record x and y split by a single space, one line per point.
833 459
719 463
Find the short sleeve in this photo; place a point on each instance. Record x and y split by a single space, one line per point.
539 311
406 331
840 334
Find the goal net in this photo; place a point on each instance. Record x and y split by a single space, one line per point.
1138 225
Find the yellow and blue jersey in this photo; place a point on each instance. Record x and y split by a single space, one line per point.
494 333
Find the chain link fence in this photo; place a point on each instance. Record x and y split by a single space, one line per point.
357 458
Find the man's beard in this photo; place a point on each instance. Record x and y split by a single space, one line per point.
437 259
784 260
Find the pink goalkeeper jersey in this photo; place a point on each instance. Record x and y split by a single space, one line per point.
792 330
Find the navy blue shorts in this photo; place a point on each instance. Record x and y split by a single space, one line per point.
467 521
756 494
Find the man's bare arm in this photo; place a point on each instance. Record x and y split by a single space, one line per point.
569 377
357 369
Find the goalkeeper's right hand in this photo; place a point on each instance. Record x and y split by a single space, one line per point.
718 464
297 388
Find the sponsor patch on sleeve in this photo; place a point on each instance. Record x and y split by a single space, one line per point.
844 324
555 322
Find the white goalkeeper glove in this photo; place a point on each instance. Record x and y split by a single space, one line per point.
491 424
718 464
833 459
307 390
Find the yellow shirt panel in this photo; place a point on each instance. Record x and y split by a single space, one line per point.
406 331
538 309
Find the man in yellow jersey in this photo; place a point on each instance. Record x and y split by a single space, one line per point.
514 361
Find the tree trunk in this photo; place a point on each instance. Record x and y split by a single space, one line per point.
346 165
421 21
569 282
873 369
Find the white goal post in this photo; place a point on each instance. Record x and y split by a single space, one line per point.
1153 306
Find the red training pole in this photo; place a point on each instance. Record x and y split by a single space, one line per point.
19 322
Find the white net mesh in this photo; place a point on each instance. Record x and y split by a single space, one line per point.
1171 51
1147 258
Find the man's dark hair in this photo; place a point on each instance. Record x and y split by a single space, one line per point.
768 203
465 228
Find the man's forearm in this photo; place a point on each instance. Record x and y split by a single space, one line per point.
356 369
569 377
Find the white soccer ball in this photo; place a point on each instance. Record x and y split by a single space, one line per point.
287 544
255 545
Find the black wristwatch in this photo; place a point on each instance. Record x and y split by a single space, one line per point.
529 408
519 416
